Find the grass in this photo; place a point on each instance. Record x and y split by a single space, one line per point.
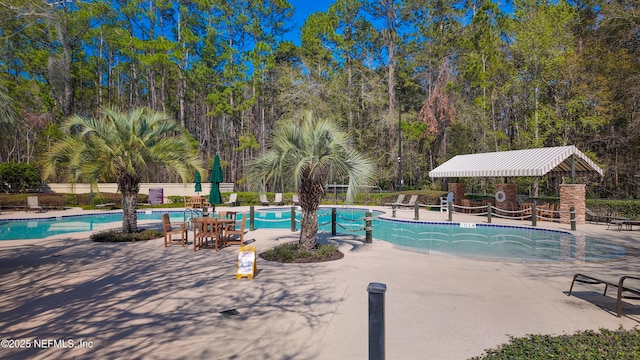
605 344
292 253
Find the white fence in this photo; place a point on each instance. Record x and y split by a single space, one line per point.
169 189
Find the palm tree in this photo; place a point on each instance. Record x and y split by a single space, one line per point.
8 118
128 146
305 154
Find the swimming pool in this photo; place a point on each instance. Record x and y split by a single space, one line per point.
496 242
20 229
483 241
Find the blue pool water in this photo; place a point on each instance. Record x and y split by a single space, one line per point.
452 239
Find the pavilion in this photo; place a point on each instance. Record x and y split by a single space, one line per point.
560 160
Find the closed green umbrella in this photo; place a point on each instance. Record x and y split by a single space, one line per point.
215 179
198 182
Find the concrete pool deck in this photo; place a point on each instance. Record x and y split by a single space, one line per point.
141 300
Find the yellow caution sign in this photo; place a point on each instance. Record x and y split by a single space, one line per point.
246 262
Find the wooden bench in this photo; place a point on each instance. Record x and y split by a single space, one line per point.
585 279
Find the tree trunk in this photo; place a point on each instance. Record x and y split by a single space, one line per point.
308 229
310 194
129 187
129 212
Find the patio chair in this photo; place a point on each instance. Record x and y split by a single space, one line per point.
193 202
398 201
206 229
32 204
278 199
622 289
264 200
169 231
466 206
233 200
295 200
227 215
234 235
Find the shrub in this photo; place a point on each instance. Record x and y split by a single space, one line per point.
290 252
323 251
606 344
285 252
625 208
19 178
175 199
116 236
19 201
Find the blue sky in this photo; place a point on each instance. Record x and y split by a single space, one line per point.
304 8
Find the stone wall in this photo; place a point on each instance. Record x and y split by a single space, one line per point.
458 192
573 195
510 202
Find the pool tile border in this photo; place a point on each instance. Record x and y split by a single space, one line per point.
84 215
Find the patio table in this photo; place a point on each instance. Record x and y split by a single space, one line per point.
209 228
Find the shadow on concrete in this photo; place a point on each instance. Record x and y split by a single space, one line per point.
133 300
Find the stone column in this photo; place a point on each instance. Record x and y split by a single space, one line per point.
458 192
510 201
573 195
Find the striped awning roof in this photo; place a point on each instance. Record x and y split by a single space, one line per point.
530 162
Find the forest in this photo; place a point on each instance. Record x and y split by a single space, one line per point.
434 78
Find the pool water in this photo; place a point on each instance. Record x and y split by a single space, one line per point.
495 241
40 228
482 241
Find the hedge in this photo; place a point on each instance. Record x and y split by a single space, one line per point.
605 345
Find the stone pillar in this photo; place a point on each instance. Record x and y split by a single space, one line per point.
573 195
510 201
458 192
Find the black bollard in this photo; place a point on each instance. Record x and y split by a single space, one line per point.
572 212
416 215
450 210
489 213
334 216
376 320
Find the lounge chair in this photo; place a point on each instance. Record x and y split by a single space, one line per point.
169 231
233 200
231 231
412 201
622 289
592 217
398 201
278 199
295 200
32 204
264 200
619 223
